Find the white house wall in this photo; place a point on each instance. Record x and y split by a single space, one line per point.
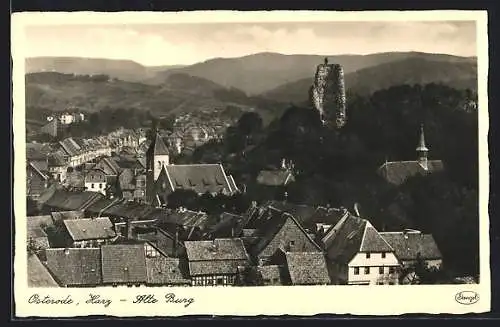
374 263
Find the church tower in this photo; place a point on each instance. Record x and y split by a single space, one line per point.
157 156
422 149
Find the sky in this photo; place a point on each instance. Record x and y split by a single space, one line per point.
183 44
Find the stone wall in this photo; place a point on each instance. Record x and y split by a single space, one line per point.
328 94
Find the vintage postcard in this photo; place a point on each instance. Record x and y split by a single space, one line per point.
250 163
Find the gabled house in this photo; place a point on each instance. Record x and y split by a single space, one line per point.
75 267
358 255
215 263
200 178
279 231
108 166
410 245
89 232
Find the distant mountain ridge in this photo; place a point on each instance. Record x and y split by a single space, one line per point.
262 72
179 93
460 74
253 74
126 70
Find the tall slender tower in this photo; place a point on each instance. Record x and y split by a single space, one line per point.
422 150
328 94
157 156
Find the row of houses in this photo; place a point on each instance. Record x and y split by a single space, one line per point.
275 244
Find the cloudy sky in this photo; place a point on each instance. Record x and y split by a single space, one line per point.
169 44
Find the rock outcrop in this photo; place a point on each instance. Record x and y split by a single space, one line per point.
328 94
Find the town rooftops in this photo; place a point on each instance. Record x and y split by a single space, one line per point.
38 275
75 267
90 228
409 244
37 168
307 268
70 146
124 263
35 222
397 172
201 178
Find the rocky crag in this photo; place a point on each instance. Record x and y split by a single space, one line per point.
327 94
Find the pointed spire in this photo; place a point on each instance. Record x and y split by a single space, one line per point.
326 61
421 145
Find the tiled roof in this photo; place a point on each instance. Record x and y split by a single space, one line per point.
70 146
218 249
201 178
398 171
373 241
37 151
75 179
275 177
274 223
165 271
63 215
41 167
74 267
124 263
408 244
69 200
38 275
307 268
271 273
221 256
90 228
347 241
56 159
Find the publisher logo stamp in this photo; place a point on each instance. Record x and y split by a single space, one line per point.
467 297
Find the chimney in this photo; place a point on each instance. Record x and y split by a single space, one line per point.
356 209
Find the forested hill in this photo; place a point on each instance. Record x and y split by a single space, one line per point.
411 71
339 167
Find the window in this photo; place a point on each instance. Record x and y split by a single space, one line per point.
380 283
292 243
367 270
267 280
100 185
381 270
383 255
92 185
151 251
356 270
220 281
368 256
391 270
391 283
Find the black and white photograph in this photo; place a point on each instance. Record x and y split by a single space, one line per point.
164 156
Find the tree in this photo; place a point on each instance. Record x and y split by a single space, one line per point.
249 123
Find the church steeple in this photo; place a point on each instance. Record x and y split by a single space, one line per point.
157 155
422 149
